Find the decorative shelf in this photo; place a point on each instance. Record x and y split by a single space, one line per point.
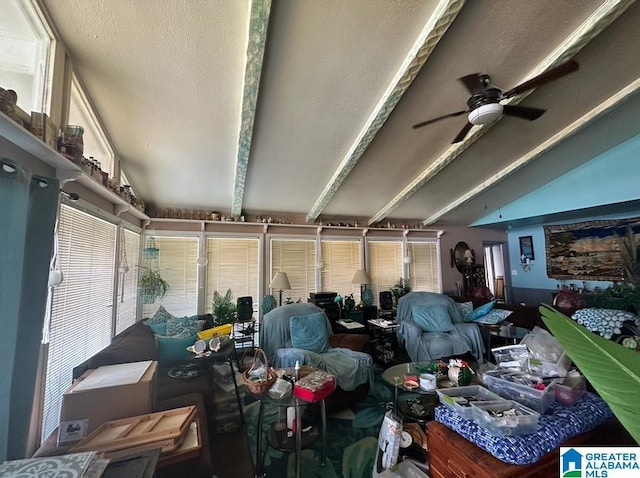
364 229
65 169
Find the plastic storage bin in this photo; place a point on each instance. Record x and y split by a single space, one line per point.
571 389
459 399
547 356
505 385
523 422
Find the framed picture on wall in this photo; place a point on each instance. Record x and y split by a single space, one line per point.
526 247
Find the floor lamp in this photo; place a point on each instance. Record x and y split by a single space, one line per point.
280 283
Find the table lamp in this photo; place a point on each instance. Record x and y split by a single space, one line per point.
361 277
280 283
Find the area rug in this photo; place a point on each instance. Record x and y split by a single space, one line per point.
352 437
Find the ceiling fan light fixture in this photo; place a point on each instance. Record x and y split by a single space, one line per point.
485 114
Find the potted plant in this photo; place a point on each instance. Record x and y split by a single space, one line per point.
152 286
223 309
401 288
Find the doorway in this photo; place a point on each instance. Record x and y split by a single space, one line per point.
494 260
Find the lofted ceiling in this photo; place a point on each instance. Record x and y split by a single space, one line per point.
306 107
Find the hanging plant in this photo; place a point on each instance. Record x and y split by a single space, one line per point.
151 286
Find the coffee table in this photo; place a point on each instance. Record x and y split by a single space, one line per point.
394 376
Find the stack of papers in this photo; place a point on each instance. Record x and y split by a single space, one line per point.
385 324
350 324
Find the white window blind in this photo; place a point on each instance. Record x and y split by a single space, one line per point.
232 264
177 262
81 317
128 280
424 270
298 259
340 259
385 266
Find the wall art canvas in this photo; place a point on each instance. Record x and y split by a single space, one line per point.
588 250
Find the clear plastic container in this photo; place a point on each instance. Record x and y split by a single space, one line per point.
571 389
547 356
459 399
519 420
511 386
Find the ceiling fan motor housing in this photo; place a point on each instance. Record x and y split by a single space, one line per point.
485 107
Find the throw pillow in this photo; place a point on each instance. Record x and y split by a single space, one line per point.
160 316
181 326
606 322
432 318
309 332
481 311
173 350
465 309
494 316
158 329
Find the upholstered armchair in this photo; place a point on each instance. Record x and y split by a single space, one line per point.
431 326
302 332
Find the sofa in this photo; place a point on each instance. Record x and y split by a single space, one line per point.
138 343
302 333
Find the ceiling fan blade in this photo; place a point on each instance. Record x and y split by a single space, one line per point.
450 115
523 112
475 83
541 79
463 132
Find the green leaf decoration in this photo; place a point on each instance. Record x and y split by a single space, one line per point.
612 370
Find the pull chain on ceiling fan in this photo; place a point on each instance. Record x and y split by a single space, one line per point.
484 104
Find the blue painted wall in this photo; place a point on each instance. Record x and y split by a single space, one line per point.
612 177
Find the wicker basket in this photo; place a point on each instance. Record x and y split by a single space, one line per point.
260 387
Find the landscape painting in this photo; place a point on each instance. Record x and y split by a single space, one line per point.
588 250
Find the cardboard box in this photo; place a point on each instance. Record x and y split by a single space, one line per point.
44 128
109 393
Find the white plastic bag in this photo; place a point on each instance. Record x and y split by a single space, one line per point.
388 442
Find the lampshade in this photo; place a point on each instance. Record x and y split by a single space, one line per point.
360 277
280 281
468 255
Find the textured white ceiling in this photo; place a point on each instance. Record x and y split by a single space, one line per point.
167 79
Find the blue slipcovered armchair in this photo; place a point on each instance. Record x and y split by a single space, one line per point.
302 332
431 326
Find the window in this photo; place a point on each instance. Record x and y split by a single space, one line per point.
424 269
385 265
24 52
340 261
177 263
127 293
232 264
95 142
82 305
297 258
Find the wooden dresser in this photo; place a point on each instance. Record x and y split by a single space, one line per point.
453 456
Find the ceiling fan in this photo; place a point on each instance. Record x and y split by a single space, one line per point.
484 103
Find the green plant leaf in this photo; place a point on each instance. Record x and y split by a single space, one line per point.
612 370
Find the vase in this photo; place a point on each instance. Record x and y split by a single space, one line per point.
459 376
